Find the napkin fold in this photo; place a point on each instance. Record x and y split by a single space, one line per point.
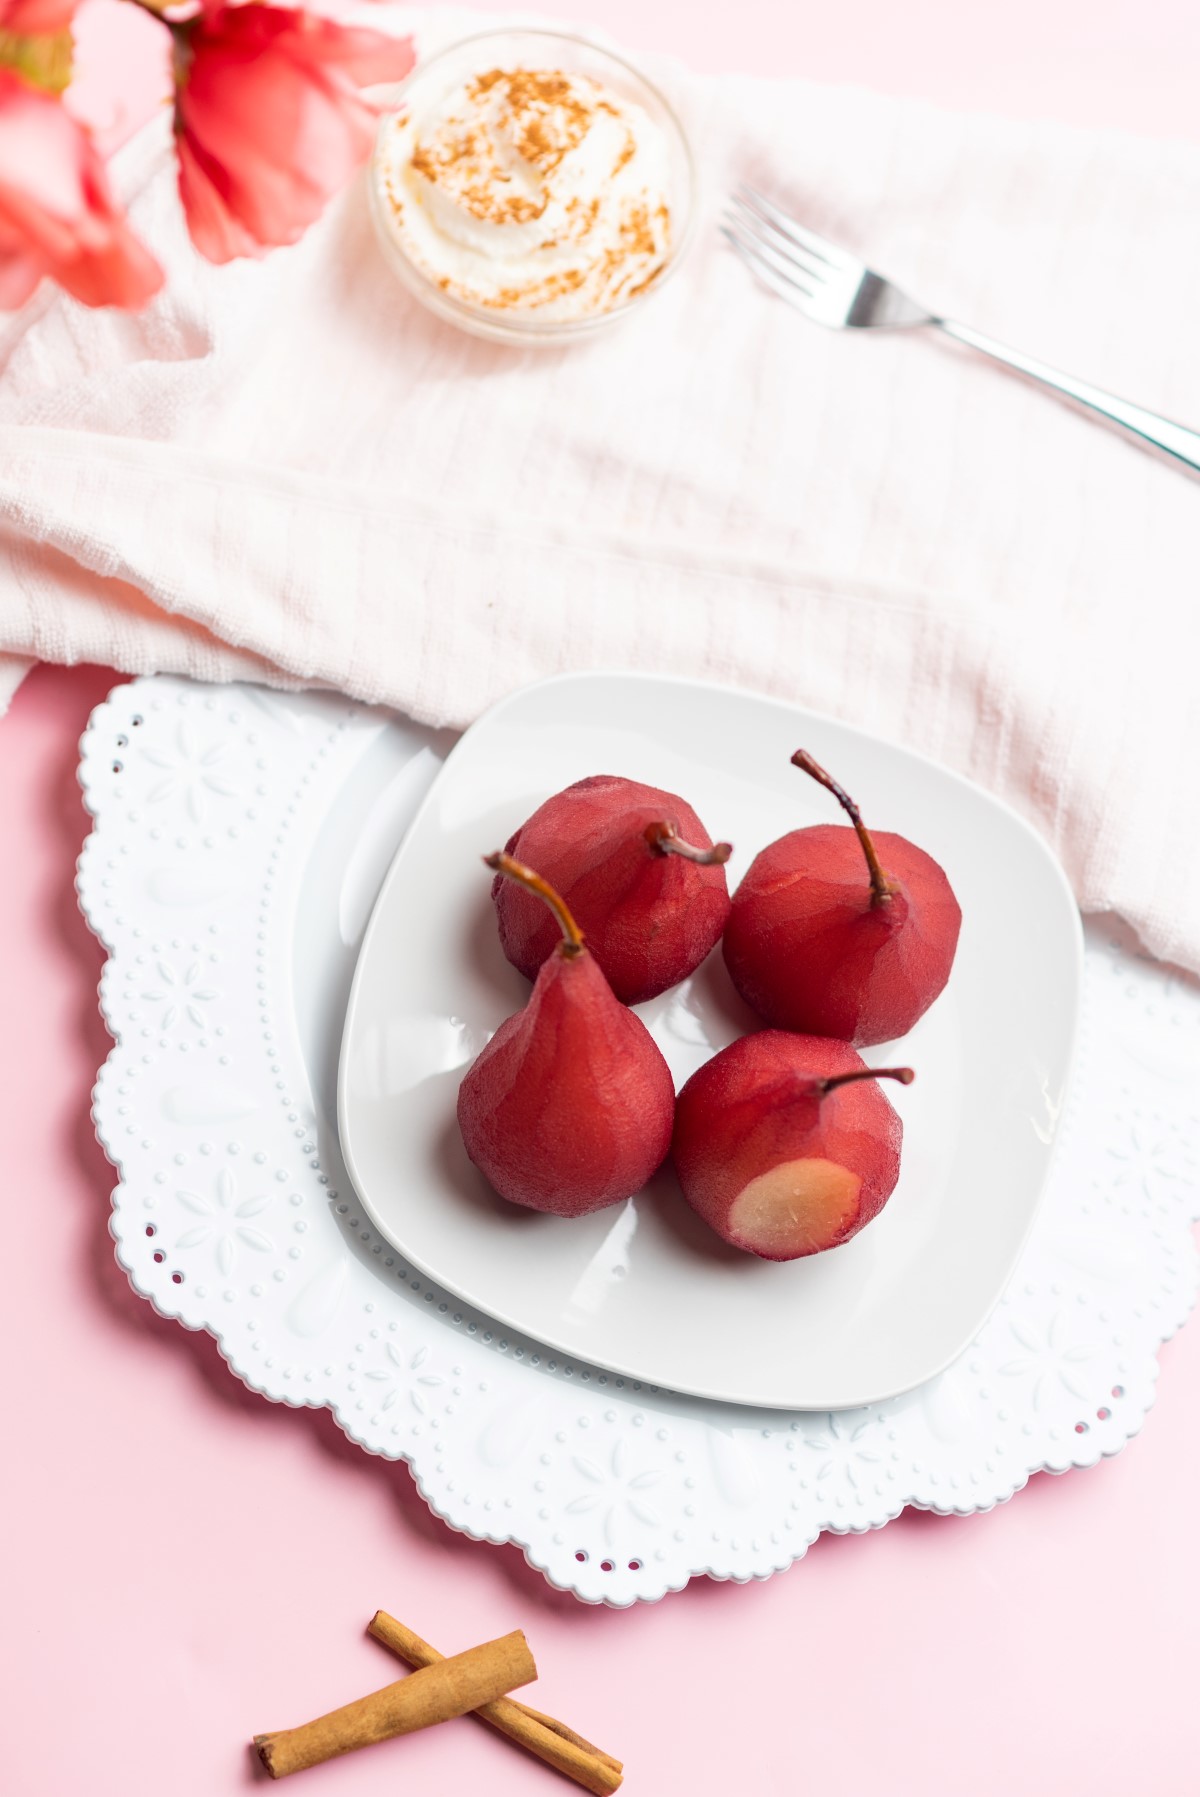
288 471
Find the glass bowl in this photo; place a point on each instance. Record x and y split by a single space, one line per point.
531 49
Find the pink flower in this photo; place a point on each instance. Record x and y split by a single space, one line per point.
57 214
36 18
269 121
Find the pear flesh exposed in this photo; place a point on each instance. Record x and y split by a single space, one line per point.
786 1145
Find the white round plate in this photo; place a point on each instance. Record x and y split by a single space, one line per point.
644 1288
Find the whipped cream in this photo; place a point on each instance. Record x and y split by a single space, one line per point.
529 190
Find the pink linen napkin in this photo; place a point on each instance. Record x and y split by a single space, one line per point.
288 471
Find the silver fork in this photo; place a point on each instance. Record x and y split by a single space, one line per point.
836 289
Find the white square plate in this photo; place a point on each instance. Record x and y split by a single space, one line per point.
644 1287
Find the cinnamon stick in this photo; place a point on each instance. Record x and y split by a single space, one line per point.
550 1740
435 1694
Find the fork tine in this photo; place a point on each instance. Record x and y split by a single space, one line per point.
808 240
772 258
763 230
786 286
764 236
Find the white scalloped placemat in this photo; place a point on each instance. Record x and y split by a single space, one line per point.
239 839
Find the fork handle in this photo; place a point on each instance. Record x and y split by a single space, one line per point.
1173 441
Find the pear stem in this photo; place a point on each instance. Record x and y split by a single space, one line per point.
904 1074
572 942
883 889
664 839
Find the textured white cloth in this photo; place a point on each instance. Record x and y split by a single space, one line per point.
289 471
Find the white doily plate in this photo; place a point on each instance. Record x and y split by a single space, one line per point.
233 829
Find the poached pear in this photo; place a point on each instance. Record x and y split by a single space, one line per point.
641 875
834 932
785 1144
570 1106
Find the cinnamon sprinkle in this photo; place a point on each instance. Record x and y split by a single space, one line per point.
627 154
550 287
636 235
492 153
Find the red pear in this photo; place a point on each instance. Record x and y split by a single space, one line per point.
785 1145
570 1105
639 872
822 939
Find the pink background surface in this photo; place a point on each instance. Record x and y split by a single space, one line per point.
189 1564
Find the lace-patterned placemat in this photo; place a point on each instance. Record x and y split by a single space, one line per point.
240 837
